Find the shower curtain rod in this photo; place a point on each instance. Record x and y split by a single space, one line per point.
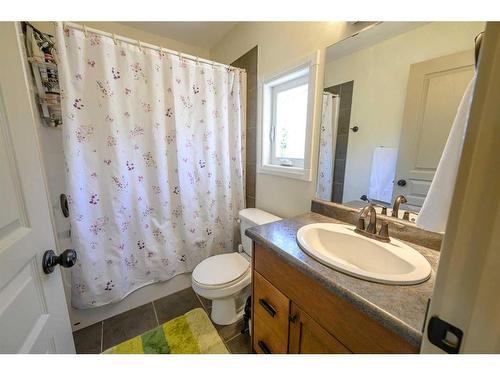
140 44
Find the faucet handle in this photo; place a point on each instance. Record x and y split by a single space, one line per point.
361 224
383 234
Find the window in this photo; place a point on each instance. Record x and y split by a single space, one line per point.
289 120
287 113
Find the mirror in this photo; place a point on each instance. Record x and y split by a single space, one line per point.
390 96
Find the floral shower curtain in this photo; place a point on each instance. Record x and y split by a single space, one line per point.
327 139
154 146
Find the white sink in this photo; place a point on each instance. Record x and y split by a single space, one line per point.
339 247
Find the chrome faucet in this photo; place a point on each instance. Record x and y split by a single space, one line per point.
397 202
371 229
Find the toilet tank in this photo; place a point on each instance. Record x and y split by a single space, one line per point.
250 217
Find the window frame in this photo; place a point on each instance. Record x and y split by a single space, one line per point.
305 67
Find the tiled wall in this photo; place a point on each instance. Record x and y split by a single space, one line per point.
249 62
344 90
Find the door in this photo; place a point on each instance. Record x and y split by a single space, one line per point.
435 88
270 317
308 337
33 312
467 282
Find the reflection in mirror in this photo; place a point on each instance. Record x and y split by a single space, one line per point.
390 97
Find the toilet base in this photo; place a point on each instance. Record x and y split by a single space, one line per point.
224 311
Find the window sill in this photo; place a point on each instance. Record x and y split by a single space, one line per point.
288 172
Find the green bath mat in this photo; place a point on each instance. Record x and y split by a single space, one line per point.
191 333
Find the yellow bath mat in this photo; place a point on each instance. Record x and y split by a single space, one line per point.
191 333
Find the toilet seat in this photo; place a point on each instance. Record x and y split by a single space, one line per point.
220 271
222 286
221 276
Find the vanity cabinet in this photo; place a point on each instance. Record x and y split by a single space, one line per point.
308 337
292 313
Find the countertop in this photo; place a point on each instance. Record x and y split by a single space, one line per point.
399 308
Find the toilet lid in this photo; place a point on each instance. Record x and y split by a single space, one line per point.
221 269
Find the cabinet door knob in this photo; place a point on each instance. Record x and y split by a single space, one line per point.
292 318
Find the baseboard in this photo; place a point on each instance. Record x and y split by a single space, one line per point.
84 318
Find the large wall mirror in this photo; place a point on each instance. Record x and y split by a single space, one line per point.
390 96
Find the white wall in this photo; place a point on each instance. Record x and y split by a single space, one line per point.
380 75
281 43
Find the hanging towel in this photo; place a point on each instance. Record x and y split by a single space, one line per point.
382 174
434 213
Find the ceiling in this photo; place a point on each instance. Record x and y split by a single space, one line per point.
199 34
369 36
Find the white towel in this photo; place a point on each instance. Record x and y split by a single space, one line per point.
434 213
382 174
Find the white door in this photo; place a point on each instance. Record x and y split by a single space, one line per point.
33 312
466 292
435 88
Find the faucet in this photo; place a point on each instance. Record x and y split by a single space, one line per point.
395 208
366 211
371 229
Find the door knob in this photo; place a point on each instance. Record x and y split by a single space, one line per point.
67 259
402 182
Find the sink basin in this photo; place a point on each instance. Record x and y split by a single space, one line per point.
339 247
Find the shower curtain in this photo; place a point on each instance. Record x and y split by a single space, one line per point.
328 137
154 149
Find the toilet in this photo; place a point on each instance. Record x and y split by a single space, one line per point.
225 278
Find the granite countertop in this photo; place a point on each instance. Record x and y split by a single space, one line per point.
399 308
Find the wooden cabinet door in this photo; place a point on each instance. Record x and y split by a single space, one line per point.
270 314
308 337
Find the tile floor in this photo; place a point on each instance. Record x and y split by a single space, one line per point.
103 335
